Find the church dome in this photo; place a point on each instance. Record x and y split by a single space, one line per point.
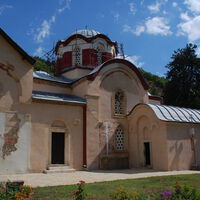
86 33
82 49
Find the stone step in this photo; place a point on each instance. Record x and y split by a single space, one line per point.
58 169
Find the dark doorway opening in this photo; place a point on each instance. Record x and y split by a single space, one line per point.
58 148
147 153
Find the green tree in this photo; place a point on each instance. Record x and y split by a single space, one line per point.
44 65
156 83
183 86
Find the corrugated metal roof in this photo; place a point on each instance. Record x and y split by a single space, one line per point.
175 114
40 95
45 76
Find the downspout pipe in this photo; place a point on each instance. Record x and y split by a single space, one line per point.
85 136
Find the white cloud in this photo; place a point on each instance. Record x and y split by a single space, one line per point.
139 29
132 8
116 16
174 4
135 60
193 5
44 30
53 19
65 5
190 27
4 7
155 8
127 28
165 12
39 51
185 16
153 26
142 2
157 26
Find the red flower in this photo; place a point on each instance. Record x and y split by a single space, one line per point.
76 192
81 181
3 188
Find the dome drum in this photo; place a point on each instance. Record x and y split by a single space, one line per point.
84 48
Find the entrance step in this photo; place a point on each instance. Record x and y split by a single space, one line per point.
58 169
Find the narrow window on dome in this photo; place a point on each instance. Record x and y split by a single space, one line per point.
77 56
119 139
99 56
119 102
100 49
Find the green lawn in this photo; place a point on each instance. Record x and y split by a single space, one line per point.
101 191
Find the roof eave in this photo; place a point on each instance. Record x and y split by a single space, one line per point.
50 101
92 76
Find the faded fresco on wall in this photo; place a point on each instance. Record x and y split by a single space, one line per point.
15 129
11 134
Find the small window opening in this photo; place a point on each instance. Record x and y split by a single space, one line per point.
119 138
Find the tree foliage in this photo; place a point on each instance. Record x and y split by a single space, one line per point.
183 86
44 65
156 83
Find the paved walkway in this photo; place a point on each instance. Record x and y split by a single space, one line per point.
41 180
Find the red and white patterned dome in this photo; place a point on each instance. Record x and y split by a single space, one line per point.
84 48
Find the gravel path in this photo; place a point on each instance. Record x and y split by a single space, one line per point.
41 180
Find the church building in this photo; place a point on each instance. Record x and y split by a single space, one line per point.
94 113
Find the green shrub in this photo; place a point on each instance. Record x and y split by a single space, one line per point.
123 194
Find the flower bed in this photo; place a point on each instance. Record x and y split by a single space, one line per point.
15 191
178 192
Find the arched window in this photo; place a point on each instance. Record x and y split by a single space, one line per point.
119 138
119 102
77 56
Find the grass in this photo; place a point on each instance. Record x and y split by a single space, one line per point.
101 191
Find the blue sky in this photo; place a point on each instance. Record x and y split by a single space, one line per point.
150 30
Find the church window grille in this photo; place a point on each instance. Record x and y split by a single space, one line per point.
119 102
119 138
99 56
77 56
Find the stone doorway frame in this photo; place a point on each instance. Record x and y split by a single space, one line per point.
66 145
